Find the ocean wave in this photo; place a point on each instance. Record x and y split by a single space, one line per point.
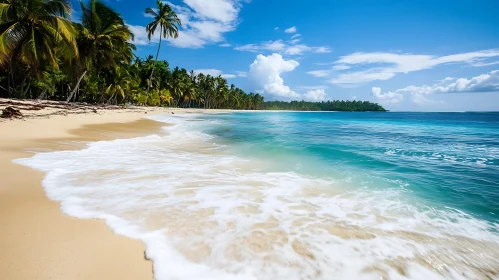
207 214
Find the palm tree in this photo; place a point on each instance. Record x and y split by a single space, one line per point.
168 23
119 86
35 33
103 40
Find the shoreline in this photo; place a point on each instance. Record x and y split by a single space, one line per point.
37 240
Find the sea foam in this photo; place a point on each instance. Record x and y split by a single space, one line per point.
204 213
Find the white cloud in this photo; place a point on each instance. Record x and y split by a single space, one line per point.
311 87
219 10
188 40
241 74
211 72
216 73
277 45
300 49
295 36
401 63
315 95
341 67
480 64
423 100
265 71
203 22
225 45
319 73
363 76
210 31
389 97
291 30
488 82
322 50
276 28
141 35
281 46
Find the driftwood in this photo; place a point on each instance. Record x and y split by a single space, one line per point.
48 108
32 105
11 112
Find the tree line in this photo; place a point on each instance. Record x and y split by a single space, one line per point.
330 105
46 55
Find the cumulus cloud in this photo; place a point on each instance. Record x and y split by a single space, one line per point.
266 72
220 10
315 95
388 97
291 30
488 82
203 22
394 63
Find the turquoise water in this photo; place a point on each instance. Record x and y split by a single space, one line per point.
445 159
296 196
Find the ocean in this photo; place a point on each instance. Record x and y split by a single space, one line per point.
296 195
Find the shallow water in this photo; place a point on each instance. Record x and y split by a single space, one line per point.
297 195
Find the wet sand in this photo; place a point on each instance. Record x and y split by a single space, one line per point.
37 241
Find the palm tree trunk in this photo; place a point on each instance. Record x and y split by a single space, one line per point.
8 85
13 81
157 54
110 99
42 95
77 86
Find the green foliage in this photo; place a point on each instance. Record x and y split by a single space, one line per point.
48 82
36 33
331 105
43 54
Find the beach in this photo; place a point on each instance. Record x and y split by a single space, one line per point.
37 241
143 193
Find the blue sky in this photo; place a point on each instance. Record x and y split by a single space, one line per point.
438 55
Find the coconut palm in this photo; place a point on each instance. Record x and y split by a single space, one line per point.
103 40
119 86
35 33
167 21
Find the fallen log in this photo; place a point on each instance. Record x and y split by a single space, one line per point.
10 113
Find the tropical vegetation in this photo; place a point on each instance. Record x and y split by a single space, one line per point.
46 55
330 105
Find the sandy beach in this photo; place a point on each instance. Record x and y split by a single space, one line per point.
37 241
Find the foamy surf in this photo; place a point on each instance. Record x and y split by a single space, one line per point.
204 213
